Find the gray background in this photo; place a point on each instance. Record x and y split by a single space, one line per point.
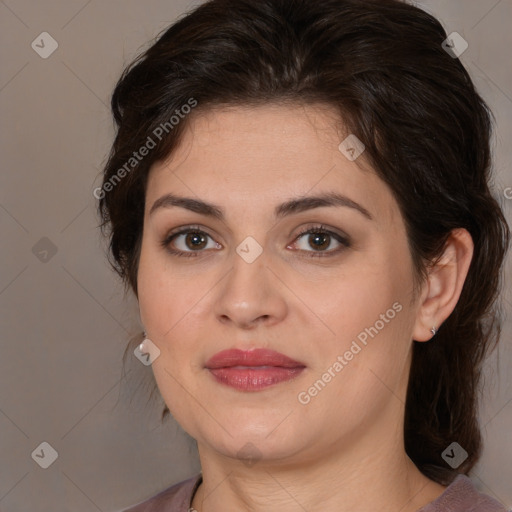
64 320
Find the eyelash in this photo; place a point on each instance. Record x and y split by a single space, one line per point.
344 241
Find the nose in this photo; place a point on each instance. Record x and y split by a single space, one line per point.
250 295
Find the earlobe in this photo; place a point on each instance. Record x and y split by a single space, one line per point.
443 285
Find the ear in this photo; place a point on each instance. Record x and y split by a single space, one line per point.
443 287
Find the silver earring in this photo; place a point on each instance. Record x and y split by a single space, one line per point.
434 330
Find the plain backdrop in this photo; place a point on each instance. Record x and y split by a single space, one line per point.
64 320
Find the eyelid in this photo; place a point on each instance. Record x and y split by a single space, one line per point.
185 229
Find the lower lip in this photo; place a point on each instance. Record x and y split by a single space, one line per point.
254 379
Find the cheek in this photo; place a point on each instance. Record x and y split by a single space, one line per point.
355 299
370 318
164 295
157 302
173 308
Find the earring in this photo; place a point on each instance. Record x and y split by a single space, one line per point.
434 330
142 345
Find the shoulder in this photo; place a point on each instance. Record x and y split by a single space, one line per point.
173 499
462 496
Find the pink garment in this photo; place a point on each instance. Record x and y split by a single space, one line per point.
176 498
460 496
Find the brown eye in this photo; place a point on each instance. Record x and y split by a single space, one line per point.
195 240
318 240
189 242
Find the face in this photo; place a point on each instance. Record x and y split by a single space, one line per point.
327 284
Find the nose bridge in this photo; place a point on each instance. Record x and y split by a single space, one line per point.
246 282
249 293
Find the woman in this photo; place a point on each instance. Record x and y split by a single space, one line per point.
298 196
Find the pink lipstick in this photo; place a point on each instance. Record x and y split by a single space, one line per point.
252 370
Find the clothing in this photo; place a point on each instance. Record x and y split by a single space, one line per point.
460 496
177 498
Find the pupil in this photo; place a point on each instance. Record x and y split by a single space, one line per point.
318 238
195 237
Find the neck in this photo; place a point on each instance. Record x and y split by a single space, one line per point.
376 475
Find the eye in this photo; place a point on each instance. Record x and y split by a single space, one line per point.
189 241
192 240
319 239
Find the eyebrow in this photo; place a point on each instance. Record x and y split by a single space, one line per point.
289 207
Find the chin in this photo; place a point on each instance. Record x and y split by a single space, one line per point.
269 438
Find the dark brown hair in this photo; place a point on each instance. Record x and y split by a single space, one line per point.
381 65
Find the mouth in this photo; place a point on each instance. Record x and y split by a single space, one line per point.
252 370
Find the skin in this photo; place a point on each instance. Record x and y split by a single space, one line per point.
342 451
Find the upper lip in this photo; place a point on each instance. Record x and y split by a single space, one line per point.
255 357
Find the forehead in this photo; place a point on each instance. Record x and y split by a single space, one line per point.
257 155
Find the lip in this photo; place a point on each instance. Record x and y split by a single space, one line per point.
252 370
